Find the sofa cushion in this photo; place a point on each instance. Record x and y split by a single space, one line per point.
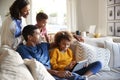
115 53
12 66
113 74
93 54
98 42
38 70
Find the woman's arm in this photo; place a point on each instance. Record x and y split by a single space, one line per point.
60 74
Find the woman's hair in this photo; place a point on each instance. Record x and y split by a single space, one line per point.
41 15
62 35
28 30
16 7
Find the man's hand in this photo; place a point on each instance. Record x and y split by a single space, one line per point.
63 74
78 38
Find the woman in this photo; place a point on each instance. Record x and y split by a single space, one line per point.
14 23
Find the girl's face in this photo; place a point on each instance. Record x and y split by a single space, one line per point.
42 23
25 11
35 38
64 45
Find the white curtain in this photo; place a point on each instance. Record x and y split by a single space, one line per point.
72 16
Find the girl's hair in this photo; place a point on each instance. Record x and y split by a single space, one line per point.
28 30
16 7
41 15
62 35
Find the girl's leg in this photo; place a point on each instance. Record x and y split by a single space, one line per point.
92 68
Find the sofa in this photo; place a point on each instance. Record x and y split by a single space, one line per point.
106 49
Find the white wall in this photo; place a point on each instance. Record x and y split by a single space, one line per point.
4 7
102 24
91 12
87 13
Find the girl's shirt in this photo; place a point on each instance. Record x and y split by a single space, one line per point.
59 60
11 32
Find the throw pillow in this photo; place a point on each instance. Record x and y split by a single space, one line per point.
12 66
38 70
114 52
93 54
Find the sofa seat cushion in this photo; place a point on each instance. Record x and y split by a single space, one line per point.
113 74
12 66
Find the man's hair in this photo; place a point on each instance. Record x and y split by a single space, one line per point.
62 35
16 7
28 30
41 15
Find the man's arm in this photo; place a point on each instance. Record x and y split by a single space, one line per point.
60 74
78 38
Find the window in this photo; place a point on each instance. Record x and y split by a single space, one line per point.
60 13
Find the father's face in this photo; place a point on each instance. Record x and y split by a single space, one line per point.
36 36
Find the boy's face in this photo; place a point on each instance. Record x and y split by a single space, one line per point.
64 45
42 23
35 38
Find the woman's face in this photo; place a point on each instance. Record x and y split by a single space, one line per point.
64 45
25 11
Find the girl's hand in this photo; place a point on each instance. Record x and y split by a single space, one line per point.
70 66
86 65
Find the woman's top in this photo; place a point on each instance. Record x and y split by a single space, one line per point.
11 32
59 60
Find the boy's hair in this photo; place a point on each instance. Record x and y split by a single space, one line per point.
62 35
41 15
28 30
16 7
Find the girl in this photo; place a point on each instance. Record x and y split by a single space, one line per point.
62 58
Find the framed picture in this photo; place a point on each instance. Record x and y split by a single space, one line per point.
117 29
117 1
110 2
117 12
111 28
110 13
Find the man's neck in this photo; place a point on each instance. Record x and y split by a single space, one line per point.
30 44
